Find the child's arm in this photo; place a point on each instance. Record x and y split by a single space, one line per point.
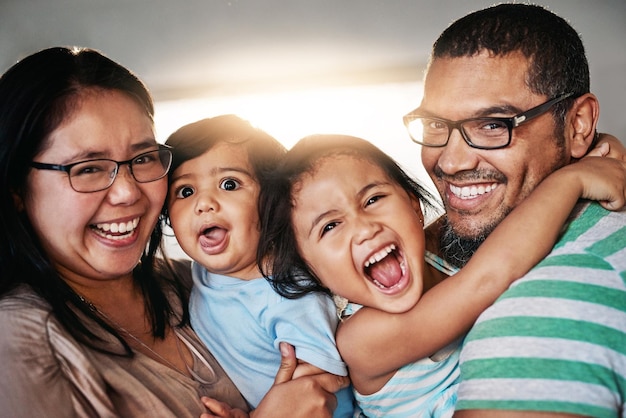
375 344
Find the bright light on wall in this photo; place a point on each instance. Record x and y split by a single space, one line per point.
371 112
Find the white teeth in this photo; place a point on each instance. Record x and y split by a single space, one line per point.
115 228
468 192
375 258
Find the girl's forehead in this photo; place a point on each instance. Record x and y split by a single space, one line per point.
338 159
339 162
340 168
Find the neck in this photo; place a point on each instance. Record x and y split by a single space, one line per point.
108 295
120 302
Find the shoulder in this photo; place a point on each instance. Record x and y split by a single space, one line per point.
591 223
26 321
313 313
23 305
554 332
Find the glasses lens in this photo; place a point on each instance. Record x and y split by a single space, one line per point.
428 131
151 166
487 133
92 176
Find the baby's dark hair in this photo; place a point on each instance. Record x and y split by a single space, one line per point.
190 141
278 255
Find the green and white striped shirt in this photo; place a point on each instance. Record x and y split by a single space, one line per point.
556 339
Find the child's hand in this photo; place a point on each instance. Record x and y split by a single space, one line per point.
608 146
602 179
219 409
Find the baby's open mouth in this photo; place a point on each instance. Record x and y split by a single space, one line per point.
212 236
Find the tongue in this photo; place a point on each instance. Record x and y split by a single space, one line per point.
387 271
212 237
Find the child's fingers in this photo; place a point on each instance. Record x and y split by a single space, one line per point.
601 150
216 408
288 363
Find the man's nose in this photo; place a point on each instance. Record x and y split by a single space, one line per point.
457 155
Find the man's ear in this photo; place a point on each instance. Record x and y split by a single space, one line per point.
580 129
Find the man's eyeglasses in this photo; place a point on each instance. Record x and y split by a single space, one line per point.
481 133
96 175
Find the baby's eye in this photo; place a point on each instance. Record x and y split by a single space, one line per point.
229 184
184 192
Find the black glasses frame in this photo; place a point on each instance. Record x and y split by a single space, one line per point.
68 167
510 122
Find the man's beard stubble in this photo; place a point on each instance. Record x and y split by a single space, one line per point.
458 250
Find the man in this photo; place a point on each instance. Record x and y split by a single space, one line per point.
506 102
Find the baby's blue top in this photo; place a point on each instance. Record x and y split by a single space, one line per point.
242 322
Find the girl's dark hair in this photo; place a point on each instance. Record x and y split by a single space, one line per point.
278 255
190 141
36 95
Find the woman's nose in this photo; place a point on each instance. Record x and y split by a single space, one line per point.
125 189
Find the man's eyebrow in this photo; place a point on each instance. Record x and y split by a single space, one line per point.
505 109
478 113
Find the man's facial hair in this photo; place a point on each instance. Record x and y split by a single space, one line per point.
458 250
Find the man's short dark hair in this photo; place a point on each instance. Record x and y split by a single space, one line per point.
557 60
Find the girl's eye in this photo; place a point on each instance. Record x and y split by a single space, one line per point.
373 200
229 184
328 227
184 192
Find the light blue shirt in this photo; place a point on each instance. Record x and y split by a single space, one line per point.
243 321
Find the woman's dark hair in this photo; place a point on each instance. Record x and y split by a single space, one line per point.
191 141
278 255
36 95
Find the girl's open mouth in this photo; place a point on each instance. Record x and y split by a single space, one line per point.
386 268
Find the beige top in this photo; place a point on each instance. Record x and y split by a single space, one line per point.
44 371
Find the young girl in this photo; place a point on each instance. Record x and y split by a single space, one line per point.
342 211
219 167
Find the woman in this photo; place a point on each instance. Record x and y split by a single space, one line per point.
93 324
